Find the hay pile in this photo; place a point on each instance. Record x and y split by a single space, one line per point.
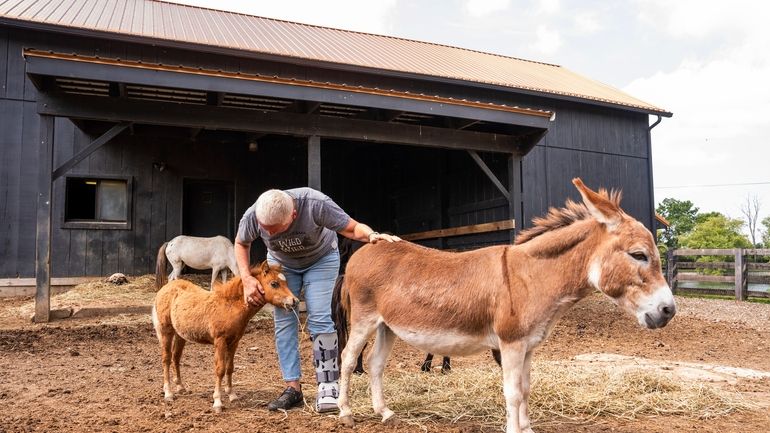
139 290
560 392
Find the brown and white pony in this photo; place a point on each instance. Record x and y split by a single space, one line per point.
501 297
185 312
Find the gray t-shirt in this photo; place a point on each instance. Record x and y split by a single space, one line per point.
312 234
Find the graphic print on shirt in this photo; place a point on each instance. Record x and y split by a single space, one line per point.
296 242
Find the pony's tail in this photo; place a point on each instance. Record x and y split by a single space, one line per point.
340 308
160 267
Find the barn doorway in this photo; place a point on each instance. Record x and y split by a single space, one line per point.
208 208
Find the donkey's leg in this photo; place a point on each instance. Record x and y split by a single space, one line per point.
427 364
220 366
513 355
446 365
377 360
166 341
524 421
359 334
178 347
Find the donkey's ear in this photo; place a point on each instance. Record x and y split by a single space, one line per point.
601 208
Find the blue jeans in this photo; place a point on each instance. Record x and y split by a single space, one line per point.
317 283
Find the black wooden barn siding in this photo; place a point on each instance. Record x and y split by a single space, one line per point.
396 188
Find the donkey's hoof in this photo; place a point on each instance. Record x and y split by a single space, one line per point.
347 421
390 420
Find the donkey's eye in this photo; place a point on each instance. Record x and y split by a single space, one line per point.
640 256
274 284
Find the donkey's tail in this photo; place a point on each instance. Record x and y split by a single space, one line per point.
340 308
160 267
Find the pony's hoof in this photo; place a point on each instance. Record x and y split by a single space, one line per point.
347 421
391 420
217 409
169 398
233 397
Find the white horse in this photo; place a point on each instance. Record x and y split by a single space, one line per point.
214 253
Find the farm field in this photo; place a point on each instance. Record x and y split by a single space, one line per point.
103 374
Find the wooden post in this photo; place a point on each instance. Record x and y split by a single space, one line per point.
314 162
515 210
43 231
671 270
741 276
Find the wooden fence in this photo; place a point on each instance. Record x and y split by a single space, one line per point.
681 266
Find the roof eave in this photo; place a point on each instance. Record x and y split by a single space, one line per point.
77 31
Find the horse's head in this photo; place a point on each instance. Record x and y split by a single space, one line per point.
626 264
274 284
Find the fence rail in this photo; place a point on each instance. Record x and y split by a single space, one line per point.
738 268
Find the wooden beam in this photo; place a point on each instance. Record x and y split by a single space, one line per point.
464 230
485 168
191 116
43 230
314 162
91 148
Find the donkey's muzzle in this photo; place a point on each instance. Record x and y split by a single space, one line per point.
661 316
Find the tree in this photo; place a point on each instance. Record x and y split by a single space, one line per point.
681 216
750 210
766 234
717 231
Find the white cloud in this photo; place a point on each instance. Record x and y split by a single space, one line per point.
547 7
719 133
548 41
587 23
480 8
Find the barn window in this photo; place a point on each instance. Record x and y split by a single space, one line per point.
97 203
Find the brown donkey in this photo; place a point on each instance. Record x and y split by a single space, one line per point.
185 312
501 297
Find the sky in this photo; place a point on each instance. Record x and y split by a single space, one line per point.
706 61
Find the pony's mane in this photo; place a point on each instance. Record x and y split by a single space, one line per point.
229 288
562 217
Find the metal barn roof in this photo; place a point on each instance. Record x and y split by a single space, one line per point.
165 21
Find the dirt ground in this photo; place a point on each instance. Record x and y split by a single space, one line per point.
104 374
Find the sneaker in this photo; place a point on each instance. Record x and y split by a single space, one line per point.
288 399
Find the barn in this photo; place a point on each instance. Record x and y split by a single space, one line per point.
126 123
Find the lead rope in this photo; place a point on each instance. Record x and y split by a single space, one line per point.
299 322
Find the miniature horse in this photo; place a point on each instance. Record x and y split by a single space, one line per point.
505 297
185 312
215 253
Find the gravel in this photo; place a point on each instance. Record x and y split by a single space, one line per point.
750 314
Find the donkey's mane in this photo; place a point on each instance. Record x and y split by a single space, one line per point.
562 217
